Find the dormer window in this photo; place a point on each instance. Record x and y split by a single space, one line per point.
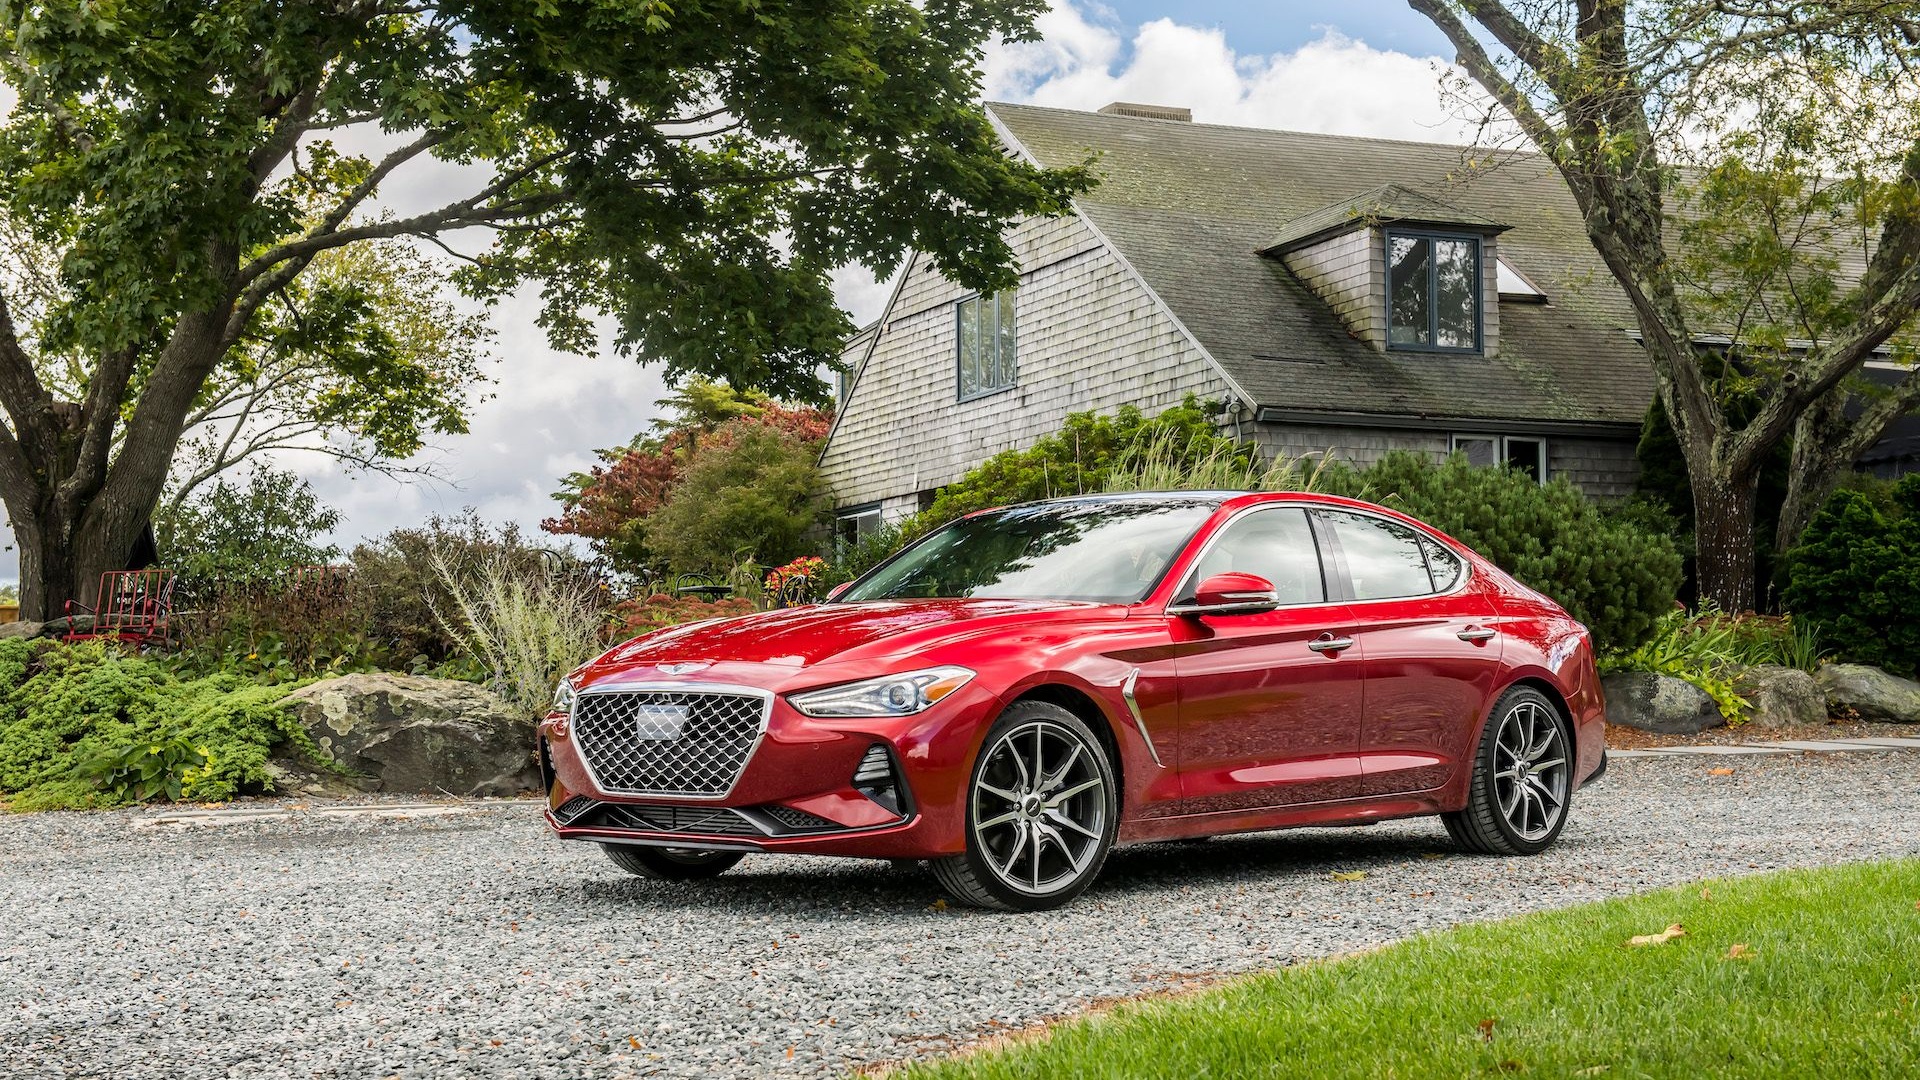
1433 291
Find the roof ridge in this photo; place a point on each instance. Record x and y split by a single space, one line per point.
1290 132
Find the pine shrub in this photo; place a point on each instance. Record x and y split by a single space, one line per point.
1610 572
1855 574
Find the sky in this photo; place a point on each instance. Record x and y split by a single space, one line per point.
1359 67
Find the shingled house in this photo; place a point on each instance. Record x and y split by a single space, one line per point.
1337 295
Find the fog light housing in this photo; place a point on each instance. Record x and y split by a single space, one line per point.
878 779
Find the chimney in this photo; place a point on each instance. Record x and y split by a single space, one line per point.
1147 112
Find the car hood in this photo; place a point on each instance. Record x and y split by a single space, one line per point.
802 636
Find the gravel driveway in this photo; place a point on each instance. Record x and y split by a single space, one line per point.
475 945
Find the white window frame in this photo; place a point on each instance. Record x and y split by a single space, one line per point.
1500 453
992 313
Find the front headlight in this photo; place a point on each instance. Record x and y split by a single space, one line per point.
890 695
563 697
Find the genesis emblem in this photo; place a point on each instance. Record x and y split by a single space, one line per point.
685 668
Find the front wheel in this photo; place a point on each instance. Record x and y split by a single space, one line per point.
672 864
1522 779
1042 812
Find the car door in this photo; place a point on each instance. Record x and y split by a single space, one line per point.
1269 702
1430 656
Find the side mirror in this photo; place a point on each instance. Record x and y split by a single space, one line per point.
1230 594
834 593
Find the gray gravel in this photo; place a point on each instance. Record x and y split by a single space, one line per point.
475 945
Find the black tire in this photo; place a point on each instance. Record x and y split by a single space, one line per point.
672 864
1511 808
1084 792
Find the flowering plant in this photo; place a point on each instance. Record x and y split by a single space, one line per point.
801 569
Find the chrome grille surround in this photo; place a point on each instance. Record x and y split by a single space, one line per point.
723 725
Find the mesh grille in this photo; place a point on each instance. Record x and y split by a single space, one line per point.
667 742
572 809
693 820
797 820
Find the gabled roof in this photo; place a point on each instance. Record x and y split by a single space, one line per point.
1385 205
1192 206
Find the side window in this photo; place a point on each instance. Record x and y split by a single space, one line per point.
1443 565
1276 544
1383 557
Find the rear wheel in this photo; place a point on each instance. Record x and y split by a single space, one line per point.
1042 812
1522 779
672 864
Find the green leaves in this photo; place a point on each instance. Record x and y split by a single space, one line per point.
144 769
1856 574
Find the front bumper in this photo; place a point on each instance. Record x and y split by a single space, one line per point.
797 791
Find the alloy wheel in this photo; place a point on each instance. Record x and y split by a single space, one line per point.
1040 808
1530 770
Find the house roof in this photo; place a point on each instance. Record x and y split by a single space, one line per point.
1193 206
1386 204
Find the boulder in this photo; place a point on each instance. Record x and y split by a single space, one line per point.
1780 696
1869 693
404 733
1662 703
22 629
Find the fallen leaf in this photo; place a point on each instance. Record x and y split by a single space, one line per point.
1431 855
1348 875
1486 1028
1421 895
1740 951
789 1053
1661 938
1593 1070
1720 772
1511 1065
633 1042
1706 894
937 905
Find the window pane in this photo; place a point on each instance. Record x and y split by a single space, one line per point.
1409 270
1007 350
1456 293
1443 565
1481 452
1275 544
1383 557
1525 455
969 320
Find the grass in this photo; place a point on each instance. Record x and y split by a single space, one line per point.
1830 988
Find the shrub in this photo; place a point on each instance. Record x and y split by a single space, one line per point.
285 628
77 722
751 492
1855 574
233 534
525 625
1611 573
404 590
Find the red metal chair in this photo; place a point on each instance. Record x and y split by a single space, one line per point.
132 605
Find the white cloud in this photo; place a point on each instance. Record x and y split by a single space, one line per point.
1334 85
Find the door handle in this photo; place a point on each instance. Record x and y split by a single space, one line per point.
1327 643
1474 633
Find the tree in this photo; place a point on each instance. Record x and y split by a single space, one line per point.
752 493
693 169
256 531
610 505
1788 136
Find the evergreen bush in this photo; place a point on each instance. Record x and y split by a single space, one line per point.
73 717
1855 574
1609 571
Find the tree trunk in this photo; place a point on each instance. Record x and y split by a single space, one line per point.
1723 512
1821 458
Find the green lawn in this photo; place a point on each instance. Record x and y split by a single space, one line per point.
1831 987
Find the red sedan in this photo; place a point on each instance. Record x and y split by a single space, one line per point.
1026 687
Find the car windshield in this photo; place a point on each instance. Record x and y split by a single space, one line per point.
1109 552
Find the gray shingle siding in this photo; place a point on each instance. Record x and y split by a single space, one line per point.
1089 338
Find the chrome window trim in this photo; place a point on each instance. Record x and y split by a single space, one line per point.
1466 564
644 686
1140 722
1187 583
